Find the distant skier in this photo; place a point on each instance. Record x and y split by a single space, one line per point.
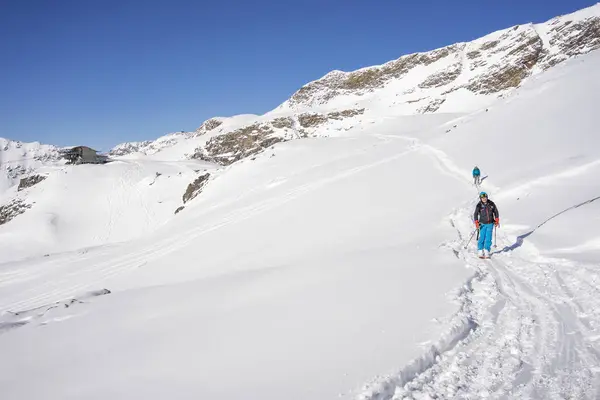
476 176
485 217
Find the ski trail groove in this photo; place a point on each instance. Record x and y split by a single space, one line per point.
536 334
92 275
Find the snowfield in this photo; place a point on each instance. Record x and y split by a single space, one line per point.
121 200
331 267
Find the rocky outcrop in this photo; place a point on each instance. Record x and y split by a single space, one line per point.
521 51
442 78
338 83
13 172
311 120
432 107
233 146
179 209
30 181
504 78
11 210
244 142
572 38
490 45
282 123
195 188
338 115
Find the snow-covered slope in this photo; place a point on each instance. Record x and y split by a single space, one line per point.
306 274
18 159
75 207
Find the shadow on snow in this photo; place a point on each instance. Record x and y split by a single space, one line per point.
520 239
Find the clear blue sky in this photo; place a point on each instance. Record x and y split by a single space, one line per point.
101 72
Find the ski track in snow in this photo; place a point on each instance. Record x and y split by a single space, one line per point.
525 329
91 276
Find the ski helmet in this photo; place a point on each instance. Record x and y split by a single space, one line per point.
483 194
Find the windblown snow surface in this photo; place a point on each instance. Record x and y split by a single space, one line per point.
338 268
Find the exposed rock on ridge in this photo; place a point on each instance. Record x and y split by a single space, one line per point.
490 65
252 139
427 82
11 210
30 181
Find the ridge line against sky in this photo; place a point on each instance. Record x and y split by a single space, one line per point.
105 72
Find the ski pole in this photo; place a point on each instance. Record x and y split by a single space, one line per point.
470 238
495 242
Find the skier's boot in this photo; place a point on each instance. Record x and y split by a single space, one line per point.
486 254
480 253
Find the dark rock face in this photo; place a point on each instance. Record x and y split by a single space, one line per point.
339 83
284 122
13 172
30 181
573 39
432 107
250 140
442 78
309 120
11 210
337 115
241 143
180 208
195 188
522 52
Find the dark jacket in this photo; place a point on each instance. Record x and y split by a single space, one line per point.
486 213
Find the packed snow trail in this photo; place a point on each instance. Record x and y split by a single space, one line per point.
534 332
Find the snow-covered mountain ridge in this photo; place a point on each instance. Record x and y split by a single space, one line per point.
492 64
462 77
458 78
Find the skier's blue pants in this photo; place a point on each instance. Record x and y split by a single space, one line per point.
485 236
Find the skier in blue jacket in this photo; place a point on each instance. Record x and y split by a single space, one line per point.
485 217
476 176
